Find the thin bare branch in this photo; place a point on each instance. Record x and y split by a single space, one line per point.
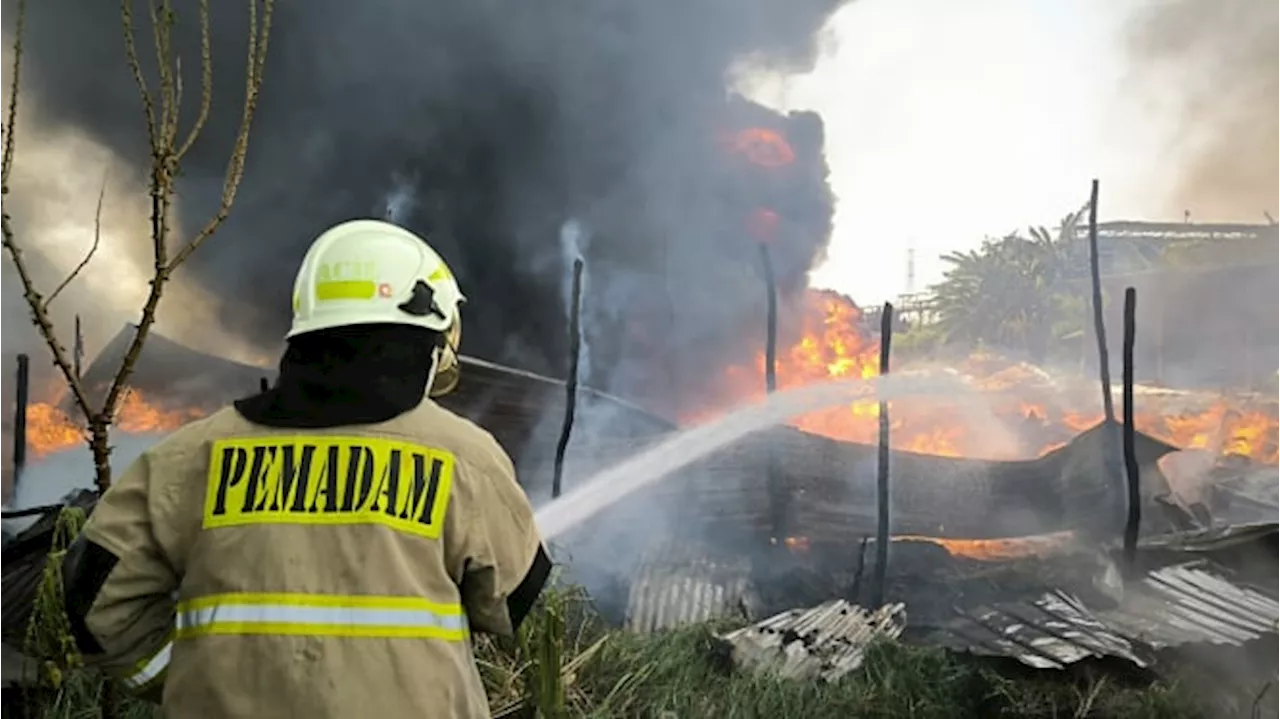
41 317
162 110
11 112
160 45
206 83
257 56
161 199
135 67
97 238
29 292
162 192
177 100
121 381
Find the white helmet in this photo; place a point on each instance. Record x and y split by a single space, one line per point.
373 272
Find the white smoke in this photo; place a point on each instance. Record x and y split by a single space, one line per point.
400 201
574 239
59 173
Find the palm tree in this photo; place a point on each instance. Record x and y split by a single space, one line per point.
1011 292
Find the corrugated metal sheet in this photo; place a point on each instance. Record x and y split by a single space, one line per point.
1187 604
830 488
824 643
679 584
1172 606
1211 539
1048 633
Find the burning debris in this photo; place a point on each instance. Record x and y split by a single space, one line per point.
1037 414
1023 411
50 429
934 571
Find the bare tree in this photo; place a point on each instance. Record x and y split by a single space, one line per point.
161 105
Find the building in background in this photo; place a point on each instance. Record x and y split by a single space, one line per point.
1207 312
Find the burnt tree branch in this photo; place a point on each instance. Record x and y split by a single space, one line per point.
93 249
206 83
35 302
259 34
165 153
161 107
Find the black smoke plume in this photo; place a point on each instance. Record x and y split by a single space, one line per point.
486 126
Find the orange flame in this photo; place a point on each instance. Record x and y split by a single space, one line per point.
762 146
49 429
980 549
997 549
764 224
834 345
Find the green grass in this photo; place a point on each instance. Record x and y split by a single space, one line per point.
684 674
680 673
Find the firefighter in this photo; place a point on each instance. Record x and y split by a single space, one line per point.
324 548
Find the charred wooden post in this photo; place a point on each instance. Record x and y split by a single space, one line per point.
1099 325
1159 339
571 383
882 467
1111 460
1132 476
21 398
855 590
771 322
778 500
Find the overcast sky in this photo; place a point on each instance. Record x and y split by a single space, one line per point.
948 121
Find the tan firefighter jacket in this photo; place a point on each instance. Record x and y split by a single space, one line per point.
311 573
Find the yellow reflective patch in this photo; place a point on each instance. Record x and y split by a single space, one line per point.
439 273
346 270
346 290
328 480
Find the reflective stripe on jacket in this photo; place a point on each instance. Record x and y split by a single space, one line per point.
321 616
149 670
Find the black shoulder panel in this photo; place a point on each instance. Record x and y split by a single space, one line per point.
524 596
84 571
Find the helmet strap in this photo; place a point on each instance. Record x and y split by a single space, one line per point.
436 354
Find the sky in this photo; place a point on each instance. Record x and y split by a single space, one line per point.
950 121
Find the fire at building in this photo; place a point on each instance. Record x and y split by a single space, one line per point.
698 220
